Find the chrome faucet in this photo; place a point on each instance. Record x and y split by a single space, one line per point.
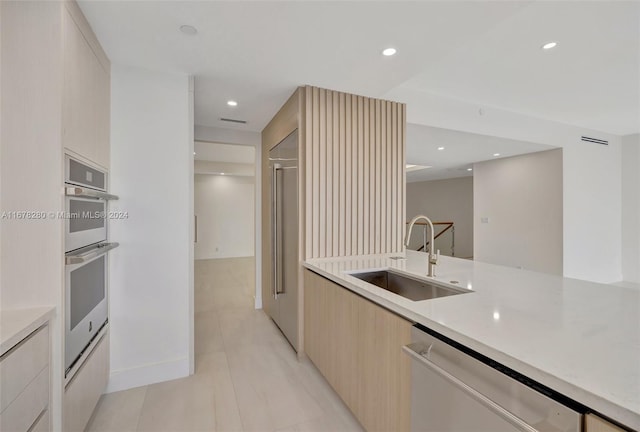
432 257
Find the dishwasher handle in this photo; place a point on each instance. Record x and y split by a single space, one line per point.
416 350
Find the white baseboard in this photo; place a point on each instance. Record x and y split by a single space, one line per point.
221 256
147 374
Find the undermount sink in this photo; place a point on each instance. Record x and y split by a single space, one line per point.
406 287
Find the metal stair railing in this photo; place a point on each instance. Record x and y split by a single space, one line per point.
446 227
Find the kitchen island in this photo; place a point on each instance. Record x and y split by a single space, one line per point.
579 338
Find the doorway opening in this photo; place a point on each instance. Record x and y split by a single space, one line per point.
224 238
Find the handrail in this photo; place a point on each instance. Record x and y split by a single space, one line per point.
449 225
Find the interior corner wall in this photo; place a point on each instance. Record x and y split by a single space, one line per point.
520 200
151 171
446 200
224 206
630 154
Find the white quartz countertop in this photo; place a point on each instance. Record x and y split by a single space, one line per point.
579 338
16 324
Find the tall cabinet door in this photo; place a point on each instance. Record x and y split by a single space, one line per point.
85 97
288 231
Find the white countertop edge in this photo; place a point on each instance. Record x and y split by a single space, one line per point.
595 402
17 324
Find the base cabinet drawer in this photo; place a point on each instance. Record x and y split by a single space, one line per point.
82 393
22 364
24 383
23 412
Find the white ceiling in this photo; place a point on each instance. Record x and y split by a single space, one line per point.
257 53
591 79
485 53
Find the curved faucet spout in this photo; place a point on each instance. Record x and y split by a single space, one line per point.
432 259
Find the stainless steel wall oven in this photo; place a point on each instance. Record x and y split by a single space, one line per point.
86 258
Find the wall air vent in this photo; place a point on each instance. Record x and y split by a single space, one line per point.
594 140
233 120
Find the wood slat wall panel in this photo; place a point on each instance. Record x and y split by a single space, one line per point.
355 183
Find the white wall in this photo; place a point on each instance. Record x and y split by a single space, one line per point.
224 206
445 200
591 176
522 198
631 208
592 211
151 171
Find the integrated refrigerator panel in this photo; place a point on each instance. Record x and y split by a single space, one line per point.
282 304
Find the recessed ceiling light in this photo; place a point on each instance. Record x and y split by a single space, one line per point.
194 153
221 173
549 45
188 30
440 148
232 103
469 169
496 154
389 52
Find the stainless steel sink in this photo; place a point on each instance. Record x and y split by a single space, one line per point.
406 287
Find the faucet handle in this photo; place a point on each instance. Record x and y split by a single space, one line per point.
433 259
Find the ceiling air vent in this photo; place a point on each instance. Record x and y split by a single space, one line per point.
594 140
233 120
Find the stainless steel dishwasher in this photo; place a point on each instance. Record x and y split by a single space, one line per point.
456 389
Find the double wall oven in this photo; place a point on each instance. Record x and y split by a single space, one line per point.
86 258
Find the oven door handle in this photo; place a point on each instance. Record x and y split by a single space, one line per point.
88 193
418 352
101 249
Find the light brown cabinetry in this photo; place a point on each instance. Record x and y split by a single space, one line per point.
85 388
357 346
24 393
351 167
86 91
593 423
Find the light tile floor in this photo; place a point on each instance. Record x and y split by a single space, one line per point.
247 378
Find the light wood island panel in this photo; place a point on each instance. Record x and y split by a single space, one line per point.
357 346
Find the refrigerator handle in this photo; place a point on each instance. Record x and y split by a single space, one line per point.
275 231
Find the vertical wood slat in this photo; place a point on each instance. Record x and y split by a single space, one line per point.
360 175
355 193
352 201
345 161
377 174
329 172
308 160
322 225
336 174
394 173
384 208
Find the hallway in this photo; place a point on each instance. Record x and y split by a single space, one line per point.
247 375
